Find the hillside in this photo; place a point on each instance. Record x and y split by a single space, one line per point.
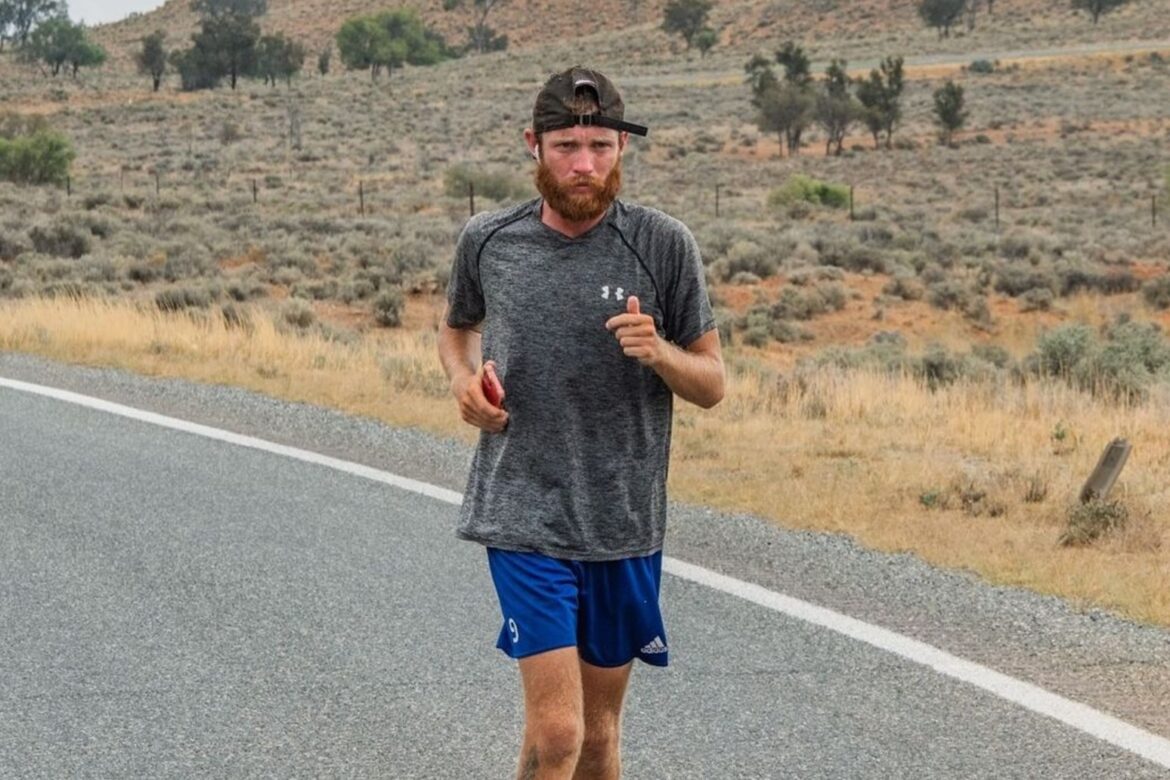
832 24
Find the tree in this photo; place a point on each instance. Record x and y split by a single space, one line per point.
7 17
389 40
796 64
227 44
358 42
685 17
760 77
59 42
197 69
836 109
949 111
785 109
1097 7
86 54
279 57
217 9
880 95
152 59
705 40
51 43
27 14
480 37
941 14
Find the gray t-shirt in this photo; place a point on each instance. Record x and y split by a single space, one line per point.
580 471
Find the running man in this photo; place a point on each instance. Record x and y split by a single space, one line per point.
585 316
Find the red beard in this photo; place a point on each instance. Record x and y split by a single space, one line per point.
576 206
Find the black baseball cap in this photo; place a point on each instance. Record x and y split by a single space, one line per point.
552 112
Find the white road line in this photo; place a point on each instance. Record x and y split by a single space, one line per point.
1031 697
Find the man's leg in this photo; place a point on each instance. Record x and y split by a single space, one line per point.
604 692
554 723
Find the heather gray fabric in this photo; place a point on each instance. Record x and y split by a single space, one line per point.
580 471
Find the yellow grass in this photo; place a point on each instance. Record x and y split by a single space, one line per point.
852 453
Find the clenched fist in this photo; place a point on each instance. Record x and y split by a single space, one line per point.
474 406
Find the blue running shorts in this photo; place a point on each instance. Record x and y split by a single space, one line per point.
608 610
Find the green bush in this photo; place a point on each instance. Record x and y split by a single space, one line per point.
497 185
800 188
41 158
388 307
982 67
1063 348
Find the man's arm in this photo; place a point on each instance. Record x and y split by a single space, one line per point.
694 374
460 352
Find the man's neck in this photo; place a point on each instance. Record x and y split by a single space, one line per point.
554 220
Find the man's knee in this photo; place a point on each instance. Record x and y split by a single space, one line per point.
600 744
557 738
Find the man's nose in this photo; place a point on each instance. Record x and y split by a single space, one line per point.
583 162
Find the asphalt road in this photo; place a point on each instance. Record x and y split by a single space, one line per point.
174 606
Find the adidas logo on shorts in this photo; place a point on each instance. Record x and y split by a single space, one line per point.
655 645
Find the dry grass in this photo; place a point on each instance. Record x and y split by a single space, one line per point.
971 476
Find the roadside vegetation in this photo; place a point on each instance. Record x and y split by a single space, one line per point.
943 288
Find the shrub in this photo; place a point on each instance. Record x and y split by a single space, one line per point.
1015 280
904 286
1089 521
800 188
982 67
497 185
41 158
1037 299
298 313
949 294
747 256
388 307
180 298
59 241
1061 349
1156 291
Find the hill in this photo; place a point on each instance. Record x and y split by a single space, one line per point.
824 26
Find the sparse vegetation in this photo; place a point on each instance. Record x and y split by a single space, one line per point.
902 337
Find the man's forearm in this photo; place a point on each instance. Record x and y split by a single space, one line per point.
460 351
697 378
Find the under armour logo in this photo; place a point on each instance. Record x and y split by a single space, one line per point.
619 294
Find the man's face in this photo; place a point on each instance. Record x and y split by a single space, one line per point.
580 173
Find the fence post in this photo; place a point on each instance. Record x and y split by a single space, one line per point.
852 218
716 201
471 196
997 208
1154 211
68 187
1101 481
362 196
255 192
157 183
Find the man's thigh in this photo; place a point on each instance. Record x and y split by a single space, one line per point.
552 683
604 691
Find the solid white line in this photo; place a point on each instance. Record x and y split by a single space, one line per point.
1031 697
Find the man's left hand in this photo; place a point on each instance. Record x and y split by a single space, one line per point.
636 333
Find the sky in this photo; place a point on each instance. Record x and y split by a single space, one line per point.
99 11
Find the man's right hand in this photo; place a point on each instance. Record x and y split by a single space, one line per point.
474 407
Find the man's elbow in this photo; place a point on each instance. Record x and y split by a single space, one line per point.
713 396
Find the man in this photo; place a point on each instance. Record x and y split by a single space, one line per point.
592 314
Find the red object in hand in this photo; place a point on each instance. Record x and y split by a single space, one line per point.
492 389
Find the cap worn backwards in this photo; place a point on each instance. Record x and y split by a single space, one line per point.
554 108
